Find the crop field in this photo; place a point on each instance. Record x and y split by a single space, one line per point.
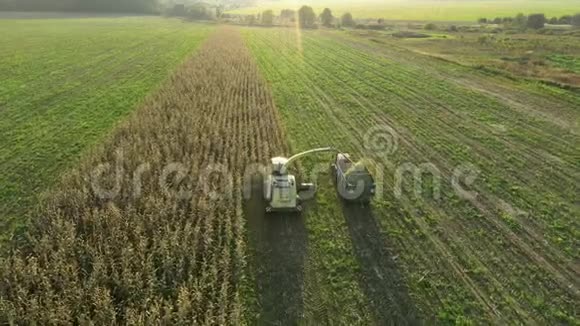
508 254
113 251
424 10
154 213
65 83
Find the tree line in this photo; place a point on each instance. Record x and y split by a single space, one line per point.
535 21
196 11
305 17
133 6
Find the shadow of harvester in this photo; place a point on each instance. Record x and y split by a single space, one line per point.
381 281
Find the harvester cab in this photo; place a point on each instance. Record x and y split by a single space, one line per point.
282 193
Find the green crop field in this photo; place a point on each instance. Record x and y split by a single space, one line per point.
515 243
430 10
65 83
146 138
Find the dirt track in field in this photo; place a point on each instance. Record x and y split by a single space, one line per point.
279 243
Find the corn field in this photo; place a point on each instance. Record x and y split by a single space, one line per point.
170 247
474 219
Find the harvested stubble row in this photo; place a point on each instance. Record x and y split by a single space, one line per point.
144 254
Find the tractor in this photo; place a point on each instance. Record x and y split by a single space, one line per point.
353 182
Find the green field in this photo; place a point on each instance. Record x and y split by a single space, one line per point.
454 254
429 10
476 219
65 83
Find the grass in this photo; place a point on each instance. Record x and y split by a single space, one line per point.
65 83
453 254
570 63
425 10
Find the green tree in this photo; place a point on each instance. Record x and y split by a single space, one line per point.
199 11
565 20
575 20
326 17
178 10
536 21
250 19
287 13
306 16
507 20
268 17
520 20
430 27
347 20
